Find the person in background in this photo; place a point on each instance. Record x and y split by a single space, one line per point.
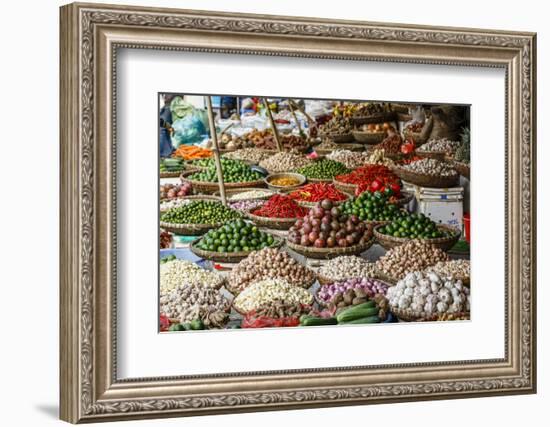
165 126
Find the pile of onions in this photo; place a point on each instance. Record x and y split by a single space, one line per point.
370 286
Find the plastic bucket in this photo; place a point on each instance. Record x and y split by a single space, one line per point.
467 227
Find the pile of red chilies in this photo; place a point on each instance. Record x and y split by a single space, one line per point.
317 192
280 206
364 175
251 320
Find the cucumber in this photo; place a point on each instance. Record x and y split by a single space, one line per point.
176 327
363 320
317 321
197 324
357 311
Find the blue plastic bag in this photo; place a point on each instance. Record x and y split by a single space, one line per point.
189 130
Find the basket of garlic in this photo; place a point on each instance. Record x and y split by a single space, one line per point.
421 295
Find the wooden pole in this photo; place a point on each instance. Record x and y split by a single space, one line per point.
300 131
273 126
214 136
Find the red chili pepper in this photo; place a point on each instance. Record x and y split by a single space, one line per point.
317 192
164 322
280 206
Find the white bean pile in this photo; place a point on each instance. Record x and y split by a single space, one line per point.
254 155
440 144
431 167
284 162
351 159
176 272
266 292
346 267
457 269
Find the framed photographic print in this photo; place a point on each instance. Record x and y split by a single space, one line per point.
268 212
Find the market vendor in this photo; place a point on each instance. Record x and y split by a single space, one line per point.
165 126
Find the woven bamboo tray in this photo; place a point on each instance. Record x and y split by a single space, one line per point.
229 257
419 316
171 174
438 155
405 198
443 243
461 167
342 146
368 137
312 204
231 192
424 180
345 188
340 138
274 223
414 135
195 197
385 277
388 116
191 229
328 253
212 187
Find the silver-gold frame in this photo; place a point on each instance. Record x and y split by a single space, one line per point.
90 37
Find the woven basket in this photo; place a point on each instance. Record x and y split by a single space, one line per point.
190 229
345 188
414 135
368 137
212 187
274 223
342 146
418 316
340 137
234 191
324 281
424 180
443 243
312 204
172 174
462 168
196 197
438 155
329 253
405 198
374 118
229 257
385 277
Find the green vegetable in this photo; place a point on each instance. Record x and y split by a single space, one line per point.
233 171
373 207
317 321
415 226
171 165
176 327
235 236
361 320
323 169
186 326
200 212
366 309
196 325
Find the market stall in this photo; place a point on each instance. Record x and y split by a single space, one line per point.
311 213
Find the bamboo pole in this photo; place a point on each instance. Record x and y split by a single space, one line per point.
300 131
214 136
273 126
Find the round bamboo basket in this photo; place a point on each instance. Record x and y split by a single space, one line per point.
229 257
387 116
340 137
312 204
212 187
414 135
443 243
274 223
386 277
369 138
344 187
424 180
342 146
232 192
190 229
329 253
438 155
408 315
405 198
196 197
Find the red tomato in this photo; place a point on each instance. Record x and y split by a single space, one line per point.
375 185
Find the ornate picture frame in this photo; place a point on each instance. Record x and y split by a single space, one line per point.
90 37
